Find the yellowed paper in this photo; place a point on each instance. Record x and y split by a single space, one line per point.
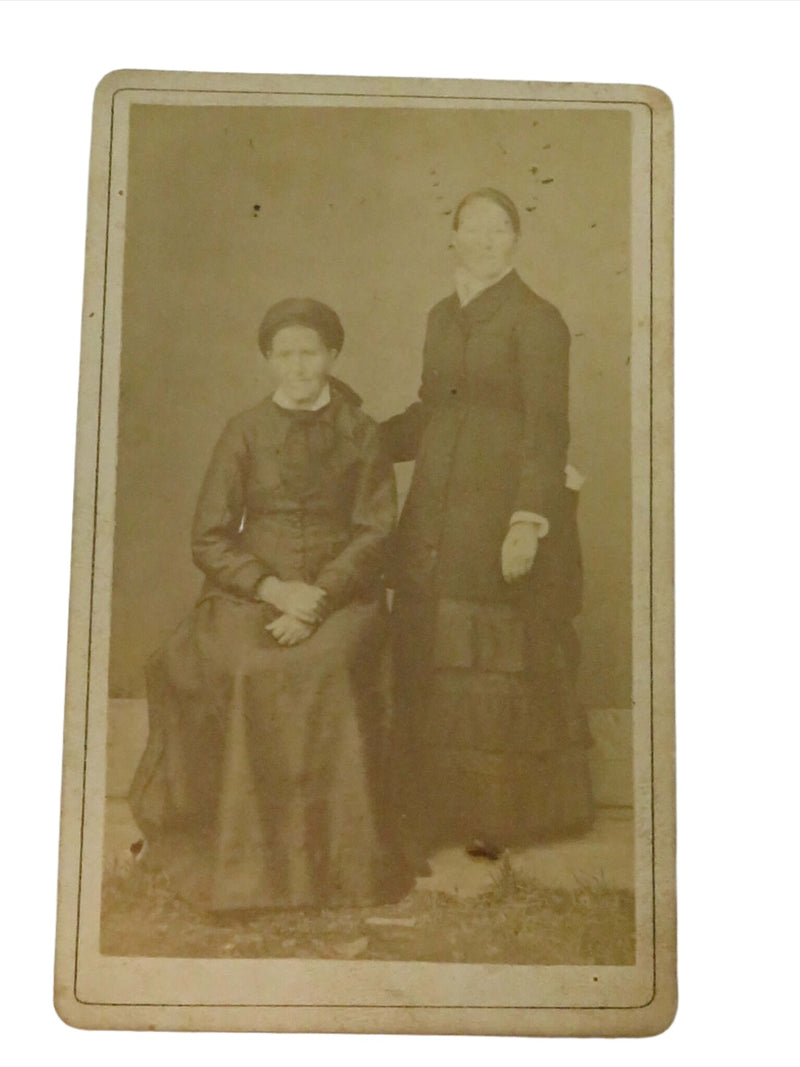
212 197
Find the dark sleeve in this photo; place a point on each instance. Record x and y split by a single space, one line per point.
543 359
373 517
216 548
400 436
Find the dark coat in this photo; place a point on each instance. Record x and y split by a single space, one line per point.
489 435
249 523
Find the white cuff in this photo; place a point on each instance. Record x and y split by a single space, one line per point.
543 526
574 479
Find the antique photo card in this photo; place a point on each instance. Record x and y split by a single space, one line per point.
369 713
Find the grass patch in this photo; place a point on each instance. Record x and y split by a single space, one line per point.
517 920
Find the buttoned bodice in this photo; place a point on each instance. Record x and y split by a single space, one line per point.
299 495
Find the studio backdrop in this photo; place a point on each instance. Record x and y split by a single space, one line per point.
231 209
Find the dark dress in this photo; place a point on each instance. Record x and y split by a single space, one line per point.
494 740
260 781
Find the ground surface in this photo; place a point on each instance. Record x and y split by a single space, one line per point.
570 903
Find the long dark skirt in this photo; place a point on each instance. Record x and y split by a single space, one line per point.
491 740
259 786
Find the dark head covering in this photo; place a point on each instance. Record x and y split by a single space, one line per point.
502 201
302 311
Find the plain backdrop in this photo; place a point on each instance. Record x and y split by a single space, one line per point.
730 70
230 209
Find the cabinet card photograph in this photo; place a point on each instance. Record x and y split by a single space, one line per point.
369 715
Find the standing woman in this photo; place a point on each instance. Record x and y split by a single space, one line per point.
258 785
487 569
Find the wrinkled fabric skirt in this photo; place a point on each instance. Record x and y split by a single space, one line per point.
491 740
260 784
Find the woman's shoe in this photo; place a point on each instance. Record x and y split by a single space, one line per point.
486 850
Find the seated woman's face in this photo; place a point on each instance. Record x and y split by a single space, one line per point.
300 362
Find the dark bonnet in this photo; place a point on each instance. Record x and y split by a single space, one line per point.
302 311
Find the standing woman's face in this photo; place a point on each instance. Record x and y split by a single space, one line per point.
485 240
300 362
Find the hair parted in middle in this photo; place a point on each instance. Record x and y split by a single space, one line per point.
502 201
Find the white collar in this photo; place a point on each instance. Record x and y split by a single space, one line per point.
468 286
284 401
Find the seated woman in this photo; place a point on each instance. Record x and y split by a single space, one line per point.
259 781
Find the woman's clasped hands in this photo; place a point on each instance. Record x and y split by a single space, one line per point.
301 606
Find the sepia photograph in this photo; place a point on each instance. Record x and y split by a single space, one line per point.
370 711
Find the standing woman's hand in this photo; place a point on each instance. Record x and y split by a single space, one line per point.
519 550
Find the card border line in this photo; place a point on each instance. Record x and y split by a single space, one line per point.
351 1005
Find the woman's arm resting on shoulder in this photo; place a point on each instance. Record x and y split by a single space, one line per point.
373 517
400 435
